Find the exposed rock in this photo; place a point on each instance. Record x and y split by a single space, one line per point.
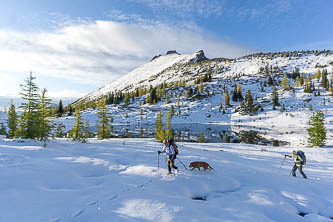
155 57
199 57
172 52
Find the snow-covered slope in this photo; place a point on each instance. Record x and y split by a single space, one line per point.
145 75
119 180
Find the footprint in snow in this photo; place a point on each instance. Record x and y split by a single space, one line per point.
78 213
114 197
93 203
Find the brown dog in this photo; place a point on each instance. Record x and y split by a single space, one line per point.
198 164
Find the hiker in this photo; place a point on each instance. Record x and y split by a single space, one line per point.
299 161
171 150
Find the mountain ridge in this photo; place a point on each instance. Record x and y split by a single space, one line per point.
174 67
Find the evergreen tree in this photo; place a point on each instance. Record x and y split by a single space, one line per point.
172 110
275 97
30 117
201 87
270 80
60 109
159 128
201 138
249 99
44 112
295 73
297 82
77 132
169 132
3 130
152 96
324 80
167 100
87 133
60 133
103 130
190 92
239 93
302 79
12 121
308 87
227 100
317 130
318 74
70 110
127 99
285 82
234 95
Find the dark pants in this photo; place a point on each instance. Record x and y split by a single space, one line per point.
299 167
171 163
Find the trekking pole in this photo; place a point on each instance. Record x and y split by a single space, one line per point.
182 163
158 161
283 161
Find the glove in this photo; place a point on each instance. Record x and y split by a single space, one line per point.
159 152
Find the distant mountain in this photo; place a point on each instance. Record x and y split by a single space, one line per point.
152 73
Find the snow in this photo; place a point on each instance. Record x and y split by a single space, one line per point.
119 180
138 77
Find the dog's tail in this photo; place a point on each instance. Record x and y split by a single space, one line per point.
211 168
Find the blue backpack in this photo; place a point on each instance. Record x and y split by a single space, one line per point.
301 154
171 142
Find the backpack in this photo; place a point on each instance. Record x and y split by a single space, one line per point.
171 142
302 155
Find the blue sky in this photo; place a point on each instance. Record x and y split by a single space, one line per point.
77 46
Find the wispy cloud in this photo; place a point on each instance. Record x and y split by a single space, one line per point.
267 13
262 9
101 51
185 8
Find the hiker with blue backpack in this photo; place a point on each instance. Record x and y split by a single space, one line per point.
299 160
171 150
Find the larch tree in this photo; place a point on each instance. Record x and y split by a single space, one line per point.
44 113
77 132
227 99
285 82
103 129
159 128
87 133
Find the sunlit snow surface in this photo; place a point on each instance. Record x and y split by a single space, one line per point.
119 180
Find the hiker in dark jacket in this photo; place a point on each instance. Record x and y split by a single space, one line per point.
298 164
170 151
